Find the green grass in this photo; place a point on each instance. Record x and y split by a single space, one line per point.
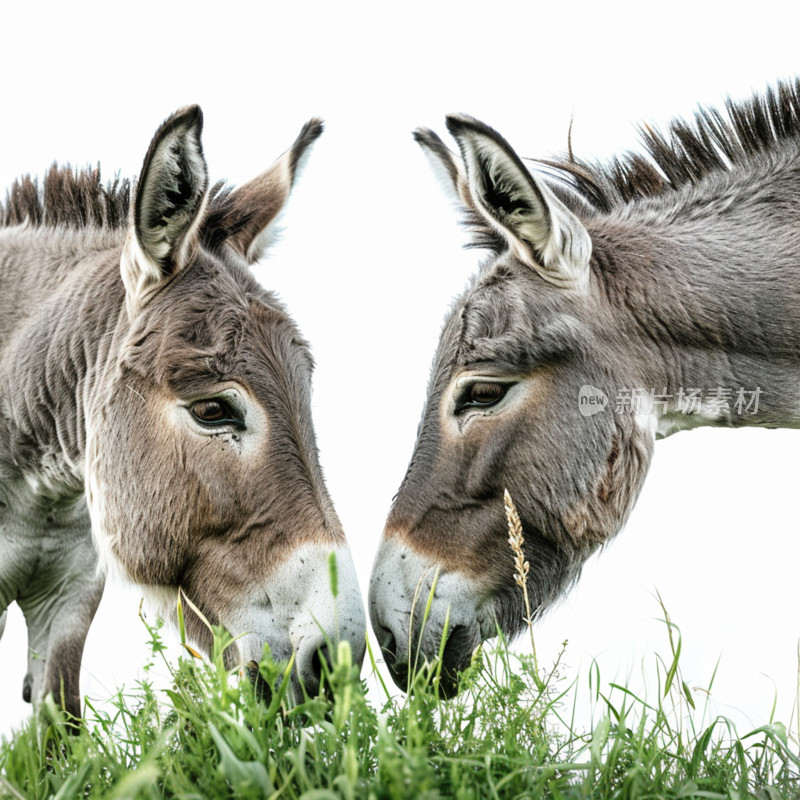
508 735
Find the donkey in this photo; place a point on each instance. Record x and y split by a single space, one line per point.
155 416
619 304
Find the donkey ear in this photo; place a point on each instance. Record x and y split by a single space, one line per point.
251 210
168 200
447 167
539 228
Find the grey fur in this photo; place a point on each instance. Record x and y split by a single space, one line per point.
693 281
112 328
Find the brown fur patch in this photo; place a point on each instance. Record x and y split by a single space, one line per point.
606 487
603 512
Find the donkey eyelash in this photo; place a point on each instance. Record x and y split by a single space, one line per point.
216 412
481 394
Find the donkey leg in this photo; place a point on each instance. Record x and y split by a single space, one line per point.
57 630
58 619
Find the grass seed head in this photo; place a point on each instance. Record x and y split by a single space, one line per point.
516 540
521 569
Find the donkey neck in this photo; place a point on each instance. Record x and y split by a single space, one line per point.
708 297
55 351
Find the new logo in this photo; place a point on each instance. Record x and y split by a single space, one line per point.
591 400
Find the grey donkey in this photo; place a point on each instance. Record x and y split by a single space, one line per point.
155 417
618 304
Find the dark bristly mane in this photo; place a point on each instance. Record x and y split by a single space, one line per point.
688 151
69 198
218 225
79 199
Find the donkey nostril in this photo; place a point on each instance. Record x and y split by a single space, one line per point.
312 668
395 662
387 642
262 689
457 648
455 657
321 662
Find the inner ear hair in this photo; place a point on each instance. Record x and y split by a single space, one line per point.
539 229
173 183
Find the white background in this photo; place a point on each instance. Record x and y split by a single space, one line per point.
371 259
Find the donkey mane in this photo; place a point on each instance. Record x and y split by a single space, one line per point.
69 198
79 199
687 152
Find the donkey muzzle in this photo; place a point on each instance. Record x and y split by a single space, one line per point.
315 607
424 618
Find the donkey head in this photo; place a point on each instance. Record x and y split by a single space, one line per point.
503 412
202 468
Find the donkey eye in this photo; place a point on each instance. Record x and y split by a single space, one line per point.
486 394
215 412
482 395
